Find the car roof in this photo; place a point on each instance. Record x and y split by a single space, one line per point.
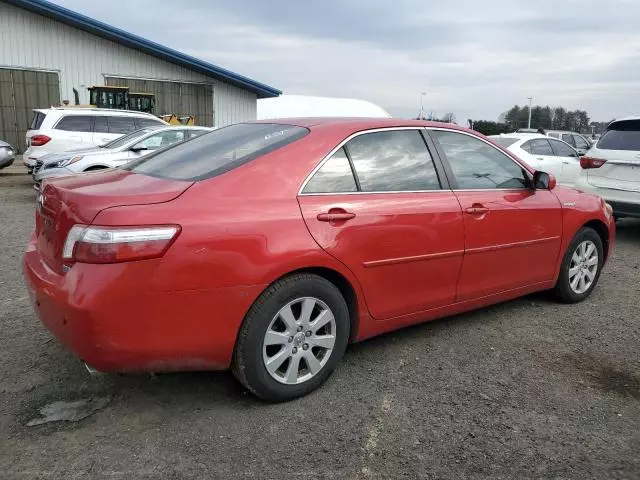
519 135
623 119
94 111
360 123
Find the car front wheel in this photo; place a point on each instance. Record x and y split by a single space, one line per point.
581 267
292 338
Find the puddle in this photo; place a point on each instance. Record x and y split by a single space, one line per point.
69 411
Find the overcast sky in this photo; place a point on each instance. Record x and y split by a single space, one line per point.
474 58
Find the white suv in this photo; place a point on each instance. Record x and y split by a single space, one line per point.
611 168
60 129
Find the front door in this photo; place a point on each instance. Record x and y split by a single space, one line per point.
512 232
391 223
570 161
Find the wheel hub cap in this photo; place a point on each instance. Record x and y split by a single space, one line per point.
583 267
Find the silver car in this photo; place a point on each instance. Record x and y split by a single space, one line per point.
118 152
7 154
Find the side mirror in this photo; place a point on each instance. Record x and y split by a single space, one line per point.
544 181
138 148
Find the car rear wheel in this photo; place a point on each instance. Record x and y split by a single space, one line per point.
292 338
581 267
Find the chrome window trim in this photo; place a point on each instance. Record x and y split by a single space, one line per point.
507 155
342 144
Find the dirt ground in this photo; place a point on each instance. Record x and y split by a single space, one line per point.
526 389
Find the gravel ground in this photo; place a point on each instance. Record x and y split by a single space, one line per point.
525 389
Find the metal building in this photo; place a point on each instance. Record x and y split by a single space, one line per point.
47 51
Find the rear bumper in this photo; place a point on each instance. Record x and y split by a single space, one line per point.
105 316
624 203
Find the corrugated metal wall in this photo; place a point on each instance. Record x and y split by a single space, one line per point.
181 99
20 92
81 59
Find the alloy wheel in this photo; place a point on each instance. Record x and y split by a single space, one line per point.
299 340
583 267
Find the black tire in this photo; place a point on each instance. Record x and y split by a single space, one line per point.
563 291
248 365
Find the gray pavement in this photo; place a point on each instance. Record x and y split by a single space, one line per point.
526 389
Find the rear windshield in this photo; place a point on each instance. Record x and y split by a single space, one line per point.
217 152
623 135
36 121
504 141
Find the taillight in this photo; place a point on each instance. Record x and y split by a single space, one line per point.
39 140
590 162
88 244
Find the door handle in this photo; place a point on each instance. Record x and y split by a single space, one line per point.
476 210
540 158
335 216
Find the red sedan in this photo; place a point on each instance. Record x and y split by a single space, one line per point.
268 247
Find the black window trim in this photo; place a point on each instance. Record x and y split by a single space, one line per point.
452 180
440 172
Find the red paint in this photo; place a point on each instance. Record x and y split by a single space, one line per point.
410 257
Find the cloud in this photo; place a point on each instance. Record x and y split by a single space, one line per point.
475 59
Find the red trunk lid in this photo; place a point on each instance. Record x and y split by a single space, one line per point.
78 199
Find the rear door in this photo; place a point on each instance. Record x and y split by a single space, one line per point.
377 204
547 161
512 232
72 131
570 168
620 147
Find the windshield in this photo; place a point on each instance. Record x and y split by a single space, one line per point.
217 152
623 135
504 141
122 141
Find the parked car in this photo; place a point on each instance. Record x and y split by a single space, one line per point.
580 142
129 147
59 129
270 246
7 154
611 168
543 153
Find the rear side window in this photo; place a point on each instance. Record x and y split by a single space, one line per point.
75 123
121 125
36 121
218 152
554 135
540 146
100 125
394 160
621 136
334 176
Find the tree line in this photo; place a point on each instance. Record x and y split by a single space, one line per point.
545 117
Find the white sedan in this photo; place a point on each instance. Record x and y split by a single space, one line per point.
543 153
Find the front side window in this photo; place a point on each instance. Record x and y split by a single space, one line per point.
162 139
478 165
148 122
580 142
121 125
567 137
561 149
394 160
217 152
75 123
335 176
540 146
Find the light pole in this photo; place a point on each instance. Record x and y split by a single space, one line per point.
530 100
422 105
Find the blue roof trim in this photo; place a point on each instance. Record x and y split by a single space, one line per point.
96 27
